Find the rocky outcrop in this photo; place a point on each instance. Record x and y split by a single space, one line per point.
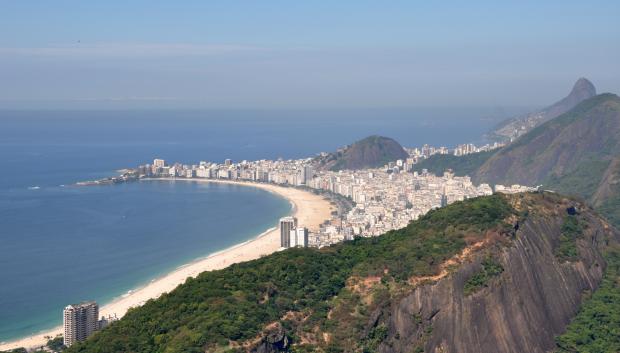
582 90
521 310
274 340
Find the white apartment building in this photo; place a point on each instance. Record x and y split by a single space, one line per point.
298 237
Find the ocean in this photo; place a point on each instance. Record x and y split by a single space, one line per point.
61 244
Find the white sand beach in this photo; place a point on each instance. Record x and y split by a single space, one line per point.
311 210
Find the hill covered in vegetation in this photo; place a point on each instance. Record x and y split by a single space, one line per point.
400 292
370 152
576 153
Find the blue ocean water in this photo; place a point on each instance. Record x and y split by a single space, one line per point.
61 244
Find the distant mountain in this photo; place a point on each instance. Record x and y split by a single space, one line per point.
515 127
371 152
576 153
494 274
582 90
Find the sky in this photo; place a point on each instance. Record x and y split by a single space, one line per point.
303 54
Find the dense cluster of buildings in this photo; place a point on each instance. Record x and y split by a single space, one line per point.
517 127
419 153
82 320
513 189
384 198
388 198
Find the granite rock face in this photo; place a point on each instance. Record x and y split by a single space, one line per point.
521 310
274 340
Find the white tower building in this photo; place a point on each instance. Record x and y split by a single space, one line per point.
80 321
298 237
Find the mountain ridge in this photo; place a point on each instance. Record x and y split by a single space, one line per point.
512 128
577 153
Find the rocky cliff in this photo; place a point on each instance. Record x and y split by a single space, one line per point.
521 310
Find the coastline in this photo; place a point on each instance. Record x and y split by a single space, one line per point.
310 209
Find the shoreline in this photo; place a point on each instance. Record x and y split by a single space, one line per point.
310 209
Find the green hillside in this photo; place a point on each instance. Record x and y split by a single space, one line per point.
351 297
303 290
370 152
576 153
597 326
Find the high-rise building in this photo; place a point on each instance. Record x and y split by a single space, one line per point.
80 321
227 162
286 225
444 200
298 237
159 163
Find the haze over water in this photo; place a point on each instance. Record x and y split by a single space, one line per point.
61 244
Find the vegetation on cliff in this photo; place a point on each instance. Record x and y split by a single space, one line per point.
571 230
596 329
490 269
308 292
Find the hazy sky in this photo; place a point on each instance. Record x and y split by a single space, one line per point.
323 53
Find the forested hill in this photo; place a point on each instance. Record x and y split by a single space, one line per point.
370 152
401 292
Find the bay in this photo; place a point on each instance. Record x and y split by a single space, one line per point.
61 244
